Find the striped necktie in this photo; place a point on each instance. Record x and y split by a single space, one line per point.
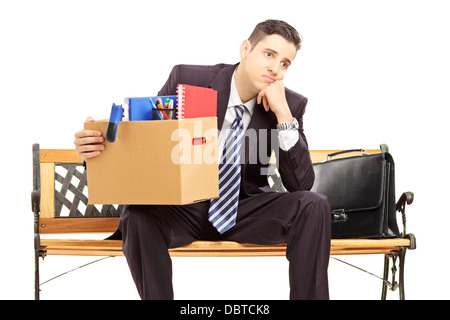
223 210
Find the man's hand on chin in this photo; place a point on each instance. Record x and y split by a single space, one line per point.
273 98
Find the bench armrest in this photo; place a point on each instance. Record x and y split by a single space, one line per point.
405 199
35 200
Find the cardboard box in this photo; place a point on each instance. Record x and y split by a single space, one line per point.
156 162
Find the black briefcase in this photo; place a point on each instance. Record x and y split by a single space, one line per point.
361 191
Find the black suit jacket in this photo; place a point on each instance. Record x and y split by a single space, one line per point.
294 165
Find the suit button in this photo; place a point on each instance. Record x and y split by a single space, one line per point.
294 164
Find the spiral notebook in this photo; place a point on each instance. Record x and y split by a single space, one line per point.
196 102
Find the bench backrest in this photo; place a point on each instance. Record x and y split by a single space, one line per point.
60 176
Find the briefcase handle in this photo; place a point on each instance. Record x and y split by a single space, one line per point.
330 155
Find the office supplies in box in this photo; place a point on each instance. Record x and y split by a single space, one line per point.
190 102
141 108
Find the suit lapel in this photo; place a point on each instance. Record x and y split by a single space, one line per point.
222 83
260 120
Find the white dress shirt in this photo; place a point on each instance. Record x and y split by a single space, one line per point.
287 138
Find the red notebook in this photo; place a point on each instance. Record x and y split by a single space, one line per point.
196 102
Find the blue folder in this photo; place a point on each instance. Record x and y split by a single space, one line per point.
141 108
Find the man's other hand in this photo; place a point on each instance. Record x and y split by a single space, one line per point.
89 143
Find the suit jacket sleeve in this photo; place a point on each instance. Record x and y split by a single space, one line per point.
295 164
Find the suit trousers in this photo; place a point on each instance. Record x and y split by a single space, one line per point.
301 219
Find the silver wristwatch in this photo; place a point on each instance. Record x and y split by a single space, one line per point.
291 125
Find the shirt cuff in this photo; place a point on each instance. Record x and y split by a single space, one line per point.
287 139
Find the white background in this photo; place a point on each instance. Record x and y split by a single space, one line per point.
374 72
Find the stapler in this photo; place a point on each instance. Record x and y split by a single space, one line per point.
113 124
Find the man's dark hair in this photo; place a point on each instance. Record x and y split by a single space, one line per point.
279 27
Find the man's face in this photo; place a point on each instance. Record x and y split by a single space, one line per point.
268 61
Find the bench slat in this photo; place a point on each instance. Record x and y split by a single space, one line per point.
70 155
220 248
78 225
58 155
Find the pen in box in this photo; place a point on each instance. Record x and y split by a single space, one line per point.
168 103
160 106
155 112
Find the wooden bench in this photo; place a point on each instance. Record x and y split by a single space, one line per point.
59 203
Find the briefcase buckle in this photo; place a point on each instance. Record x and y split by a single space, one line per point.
338 215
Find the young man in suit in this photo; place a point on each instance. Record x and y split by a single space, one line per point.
299 217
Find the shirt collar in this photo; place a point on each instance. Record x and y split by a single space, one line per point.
236 100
